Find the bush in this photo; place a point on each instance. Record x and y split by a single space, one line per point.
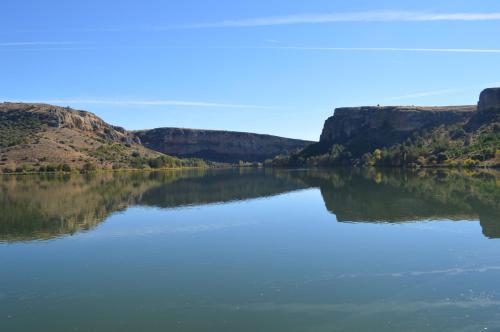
441 157
66 168
155 163
50 168
8 170
88 167
470 162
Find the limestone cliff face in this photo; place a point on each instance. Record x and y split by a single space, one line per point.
489 100
217 145
488 109
367 128
61 117
349 122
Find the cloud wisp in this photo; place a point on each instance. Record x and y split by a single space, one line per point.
376 16
37 43
440 92
423 94
161 102
46 46
386 49
88 46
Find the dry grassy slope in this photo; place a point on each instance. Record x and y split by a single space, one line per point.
46 134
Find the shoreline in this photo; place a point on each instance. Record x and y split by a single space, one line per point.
151 170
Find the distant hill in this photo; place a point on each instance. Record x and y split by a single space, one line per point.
400 136
37 136
218 145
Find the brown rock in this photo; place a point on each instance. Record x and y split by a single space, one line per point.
489 99
218 145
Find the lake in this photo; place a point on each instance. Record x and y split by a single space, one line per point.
251 250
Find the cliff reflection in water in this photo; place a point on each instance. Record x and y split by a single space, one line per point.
402 196
48 206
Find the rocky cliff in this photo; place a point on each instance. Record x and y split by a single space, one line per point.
218 145
63 117
35 135
488 110
367 128
489 100
374 126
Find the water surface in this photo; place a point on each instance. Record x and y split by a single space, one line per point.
251 250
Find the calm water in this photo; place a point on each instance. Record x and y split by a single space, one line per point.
251 250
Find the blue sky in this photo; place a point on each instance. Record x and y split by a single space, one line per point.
277 67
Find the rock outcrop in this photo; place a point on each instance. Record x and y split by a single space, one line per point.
218 145
367 128
65 117
489 100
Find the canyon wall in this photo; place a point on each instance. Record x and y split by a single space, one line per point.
218 145
370 127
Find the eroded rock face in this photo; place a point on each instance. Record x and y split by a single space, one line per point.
63 117
369 127
489 100
218 145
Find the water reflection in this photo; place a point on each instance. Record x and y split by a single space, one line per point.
48 206
403 196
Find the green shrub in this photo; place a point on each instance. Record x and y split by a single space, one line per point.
88 167
66 168
8 170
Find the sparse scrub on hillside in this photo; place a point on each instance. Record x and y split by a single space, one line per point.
16 129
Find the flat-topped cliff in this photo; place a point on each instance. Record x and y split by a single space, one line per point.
370 127
489 100
415 136
363 129
218 145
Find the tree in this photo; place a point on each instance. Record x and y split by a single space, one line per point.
88 167
66 168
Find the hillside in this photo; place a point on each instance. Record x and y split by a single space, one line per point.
218 145
39 137
407 136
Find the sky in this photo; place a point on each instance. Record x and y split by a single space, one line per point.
268 66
